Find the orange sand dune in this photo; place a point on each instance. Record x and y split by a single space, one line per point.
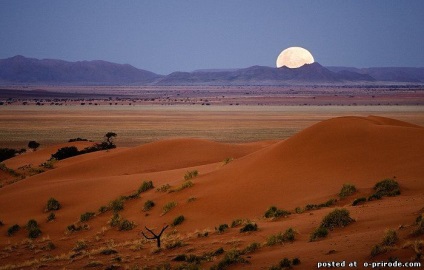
309 167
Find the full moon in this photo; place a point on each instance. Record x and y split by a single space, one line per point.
294 57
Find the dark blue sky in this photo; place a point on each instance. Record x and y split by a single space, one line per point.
166 36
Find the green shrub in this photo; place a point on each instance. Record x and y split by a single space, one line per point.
33 229
148 205
285 263
49 164
178 220
117 205
115 220
359 201
299 210
390 238
51 216
167 207
32 224
53 204
274 212
387 187
347 190
319 232
249 227
280 238
191 174
13 229
87 216
164 188
374 197
185 185
222 228
230 258
145 186
126 225
251 248
336 218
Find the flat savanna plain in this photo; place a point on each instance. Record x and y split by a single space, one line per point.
219 113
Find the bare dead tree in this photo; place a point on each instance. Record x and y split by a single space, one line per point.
154 236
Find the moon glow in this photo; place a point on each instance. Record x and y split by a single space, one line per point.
294 57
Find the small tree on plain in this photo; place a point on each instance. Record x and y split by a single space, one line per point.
33 145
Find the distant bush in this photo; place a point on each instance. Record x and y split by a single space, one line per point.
390 238
6 153
185 185
328 203
347 190
167 207
238 222
230 258
227 160
66 152
249 227
280 238
191 199
80 245
387 187
13 229
164 188
145 186
148 205
103 209
117 205
191 174
274 212
87 216
174 244
337 218
420 229
51 216
374 196
49 164
222 228
78 140
251 248
33 229
53 204
178 220
115 220
319 232
33 145
126 225
76 228
359 201
378 249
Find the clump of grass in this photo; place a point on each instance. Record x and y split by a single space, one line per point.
94 264
378 249
251 248
239 222
230 258
178 220
280 238
76 228
319 232
167 207
222 228
49 164
148 205
126 225
185 185
387 187
80 245
117 205
104 208
358 201
347 190
249 227
53 204
51 217
13 229
164 188
33 229
115 220
337 218
174 244
87 216
390 238
299 210
145 186
328 203
108 251
274 212
191 199
191 174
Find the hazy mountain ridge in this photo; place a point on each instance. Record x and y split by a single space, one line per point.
19 69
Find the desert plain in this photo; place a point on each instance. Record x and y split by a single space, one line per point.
219 161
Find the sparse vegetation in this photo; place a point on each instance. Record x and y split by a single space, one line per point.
13 229
117 204
53 205
227 160
378 249
251 248
94 264
328 203
115 220
148 205
33 229
167 207
191 199
191 174
178 220
280 238
66 152
103 209
164 188
319 232
274 212
347 190
87 216
80 245
145 186
420 226
185 185
126 225
230 258
176 243
359 201
49 164
222 228
336 218
249 227
387 187
390 238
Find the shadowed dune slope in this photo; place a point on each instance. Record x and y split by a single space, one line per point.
311 167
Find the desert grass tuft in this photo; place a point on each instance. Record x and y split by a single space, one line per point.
347 190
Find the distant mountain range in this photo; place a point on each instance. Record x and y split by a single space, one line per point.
22 70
